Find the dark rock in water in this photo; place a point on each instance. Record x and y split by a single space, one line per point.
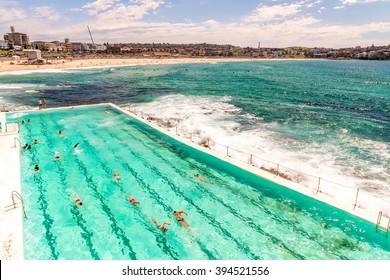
345 243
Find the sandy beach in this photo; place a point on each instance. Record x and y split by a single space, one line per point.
7 65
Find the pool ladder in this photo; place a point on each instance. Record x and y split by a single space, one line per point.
16 204
378 223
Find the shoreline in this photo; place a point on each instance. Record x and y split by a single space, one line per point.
11 66
19 65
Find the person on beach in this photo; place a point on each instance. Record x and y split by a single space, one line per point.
44 103
40 104
180 219
201 179
162 227
132 200
36 168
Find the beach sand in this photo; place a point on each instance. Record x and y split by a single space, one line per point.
7 65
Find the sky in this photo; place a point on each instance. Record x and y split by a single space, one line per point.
273 23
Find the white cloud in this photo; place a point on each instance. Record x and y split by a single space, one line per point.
114 11
169 5
321 10
11 15
99 6
46 12
352 2
275 12
280 25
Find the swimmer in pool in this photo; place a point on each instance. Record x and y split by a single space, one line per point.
200 178
132 200
161 227
180 219
57 156
117 177
78 201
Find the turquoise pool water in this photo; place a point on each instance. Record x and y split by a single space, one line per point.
236 216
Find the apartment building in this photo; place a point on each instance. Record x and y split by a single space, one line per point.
17 39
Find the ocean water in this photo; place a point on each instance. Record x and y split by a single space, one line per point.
329 119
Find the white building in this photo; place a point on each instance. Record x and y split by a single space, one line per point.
33 54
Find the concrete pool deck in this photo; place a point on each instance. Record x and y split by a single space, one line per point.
11 222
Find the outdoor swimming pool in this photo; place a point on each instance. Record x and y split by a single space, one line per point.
236 216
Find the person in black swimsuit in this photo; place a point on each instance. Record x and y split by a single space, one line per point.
180 219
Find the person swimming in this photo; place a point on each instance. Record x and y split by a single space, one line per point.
76 146
132 200
57 156
36 141
60 132
180 219
117 177
78 201
36 168
161 227
200 178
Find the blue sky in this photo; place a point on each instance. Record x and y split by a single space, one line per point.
274 23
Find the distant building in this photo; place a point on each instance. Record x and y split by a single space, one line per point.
4 45
68 45
33 54
17 39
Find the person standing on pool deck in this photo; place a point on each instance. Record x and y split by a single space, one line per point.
180 219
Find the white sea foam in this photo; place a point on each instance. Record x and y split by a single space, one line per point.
215 119
40 71
32 91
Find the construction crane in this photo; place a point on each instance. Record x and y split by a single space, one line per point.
90 34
